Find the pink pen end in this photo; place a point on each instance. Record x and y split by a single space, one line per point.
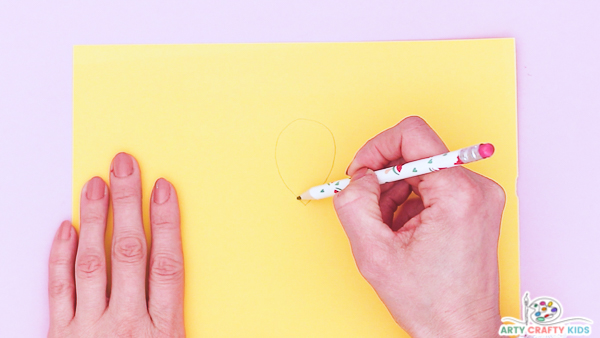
486 150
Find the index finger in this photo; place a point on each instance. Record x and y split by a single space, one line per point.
411 139
166 277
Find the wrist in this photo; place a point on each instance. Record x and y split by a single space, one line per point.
484 324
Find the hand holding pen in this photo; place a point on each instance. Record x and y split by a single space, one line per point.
407 170
431 258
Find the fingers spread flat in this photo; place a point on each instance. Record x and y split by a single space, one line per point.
90 267
61 284
411 139
165 303
128 254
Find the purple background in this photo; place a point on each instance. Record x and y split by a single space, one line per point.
558 61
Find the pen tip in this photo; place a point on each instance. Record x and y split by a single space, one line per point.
298 198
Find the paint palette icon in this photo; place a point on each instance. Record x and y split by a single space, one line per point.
545 310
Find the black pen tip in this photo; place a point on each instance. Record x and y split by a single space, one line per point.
298 198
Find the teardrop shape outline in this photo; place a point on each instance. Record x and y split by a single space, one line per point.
332 161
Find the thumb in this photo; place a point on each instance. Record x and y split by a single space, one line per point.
357 207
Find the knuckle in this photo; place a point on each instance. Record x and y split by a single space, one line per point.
357 192
60 287
471 192
60 262
126 329
89 265
375 264
477 192
413 122
169 333
126 195
414 119
389 204
166 269
93 217
164 220
435 215
129 249
497 192
346 197
167 327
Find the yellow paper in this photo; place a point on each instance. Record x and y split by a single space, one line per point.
225 122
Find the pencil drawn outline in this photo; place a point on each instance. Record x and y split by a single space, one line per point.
332 161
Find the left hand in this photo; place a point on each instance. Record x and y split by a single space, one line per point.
79 304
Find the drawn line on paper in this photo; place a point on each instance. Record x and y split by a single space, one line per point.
295 194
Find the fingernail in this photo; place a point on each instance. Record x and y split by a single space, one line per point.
162 191
122 165
95 189
361 173
65 230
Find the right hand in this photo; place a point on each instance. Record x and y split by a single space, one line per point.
431 259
